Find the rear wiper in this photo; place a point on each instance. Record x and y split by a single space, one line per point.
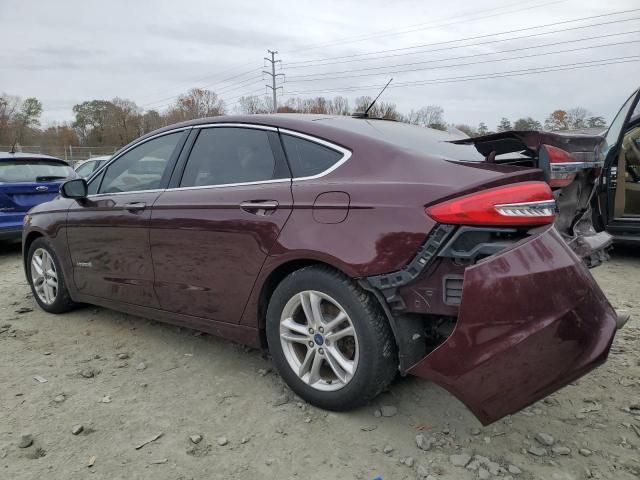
48 178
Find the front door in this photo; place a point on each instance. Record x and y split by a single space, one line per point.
108 232
211 233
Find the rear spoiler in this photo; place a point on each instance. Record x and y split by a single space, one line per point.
585 148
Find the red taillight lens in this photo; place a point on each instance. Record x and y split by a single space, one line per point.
560 162
526 203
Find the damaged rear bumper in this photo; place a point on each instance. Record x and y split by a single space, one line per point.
531 320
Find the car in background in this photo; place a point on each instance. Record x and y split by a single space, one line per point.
353 249
617 204
87 167
27 180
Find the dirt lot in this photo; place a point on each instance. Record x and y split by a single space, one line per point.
127 380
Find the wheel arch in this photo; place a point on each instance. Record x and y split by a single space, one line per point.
276 276
26 245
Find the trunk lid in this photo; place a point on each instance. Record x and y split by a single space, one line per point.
20 197
26 182
572 177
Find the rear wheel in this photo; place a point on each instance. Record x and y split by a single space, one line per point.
329 339
47 279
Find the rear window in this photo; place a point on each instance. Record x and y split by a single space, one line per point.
33 170
308 158
410 137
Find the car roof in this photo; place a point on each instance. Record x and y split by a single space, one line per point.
339 129
27 156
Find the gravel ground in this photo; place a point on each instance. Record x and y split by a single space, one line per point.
211 409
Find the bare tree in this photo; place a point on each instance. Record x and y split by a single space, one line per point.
196 103
126 121
340 106
577 117
253 104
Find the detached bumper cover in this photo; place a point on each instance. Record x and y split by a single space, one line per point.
531 320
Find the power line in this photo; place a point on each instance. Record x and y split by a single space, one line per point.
203 86
476 37
509 73
597 37
429 25
467 63
564 30
208 77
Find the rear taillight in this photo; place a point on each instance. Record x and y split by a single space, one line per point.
526 203
562 165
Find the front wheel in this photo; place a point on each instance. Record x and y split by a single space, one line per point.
329 339
47 279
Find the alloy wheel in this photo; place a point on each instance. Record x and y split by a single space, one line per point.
319 340
44 276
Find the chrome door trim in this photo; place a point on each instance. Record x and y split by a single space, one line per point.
243 184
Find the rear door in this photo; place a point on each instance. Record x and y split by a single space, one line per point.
211 232
108 232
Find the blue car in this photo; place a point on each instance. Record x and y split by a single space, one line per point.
27 180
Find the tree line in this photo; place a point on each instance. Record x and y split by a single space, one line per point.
118 121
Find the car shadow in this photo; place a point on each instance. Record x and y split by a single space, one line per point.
10 249
625 251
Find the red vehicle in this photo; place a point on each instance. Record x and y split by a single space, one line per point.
352 248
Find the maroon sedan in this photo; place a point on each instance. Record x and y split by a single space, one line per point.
352 248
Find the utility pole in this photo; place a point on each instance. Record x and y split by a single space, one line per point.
273 76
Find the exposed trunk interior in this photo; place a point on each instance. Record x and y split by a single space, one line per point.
574 218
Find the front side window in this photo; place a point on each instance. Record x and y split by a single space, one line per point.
142 167
229 155
308 158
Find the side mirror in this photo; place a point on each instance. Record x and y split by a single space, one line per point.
76 188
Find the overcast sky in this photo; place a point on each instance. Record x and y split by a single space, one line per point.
150 51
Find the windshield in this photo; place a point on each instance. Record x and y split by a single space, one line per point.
613 134
33 170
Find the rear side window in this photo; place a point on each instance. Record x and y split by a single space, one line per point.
308 158
227 155
33 170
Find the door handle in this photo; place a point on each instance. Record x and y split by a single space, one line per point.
259 207
135 206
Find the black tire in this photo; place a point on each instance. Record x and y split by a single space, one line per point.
62 302
378 359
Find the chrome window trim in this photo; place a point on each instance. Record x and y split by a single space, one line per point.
346 154
243 184
94 195
239 184
116 157
238 125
